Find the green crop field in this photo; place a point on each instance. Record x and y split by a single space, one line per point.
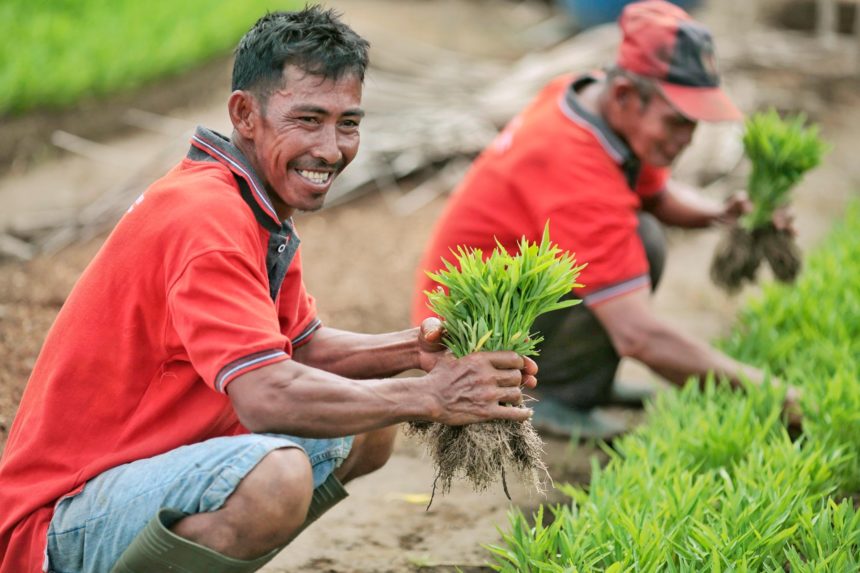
54 53
713 481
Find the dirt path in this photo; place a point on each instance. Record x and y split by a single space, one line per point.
360 261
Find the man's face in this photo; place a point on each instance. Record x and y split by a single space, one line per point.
658 133
307 134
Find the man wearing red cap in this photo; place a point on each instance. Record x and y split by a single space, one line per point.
591 154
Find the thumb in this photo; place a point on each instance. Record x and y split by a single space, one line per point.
431 329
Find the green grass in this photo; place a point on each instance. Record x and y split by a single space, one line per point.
54 53
712 482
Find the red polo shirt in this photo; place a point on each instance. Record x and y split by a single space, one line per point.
558 162
198 283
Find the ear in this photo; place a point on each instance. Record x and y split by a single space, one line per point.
624 94
244 110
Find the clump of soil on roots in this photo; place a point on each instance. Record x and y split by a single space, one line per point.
741 251
481 453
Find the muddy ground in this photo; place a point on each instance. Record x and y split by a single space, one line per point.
360 258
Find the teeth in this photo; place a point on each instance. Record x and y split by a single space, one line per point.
315 176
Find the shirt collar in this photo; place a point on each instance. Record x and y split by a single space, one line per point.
222 150
614 146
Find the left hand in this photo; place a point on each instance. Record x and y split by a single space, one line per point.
431 350
735 205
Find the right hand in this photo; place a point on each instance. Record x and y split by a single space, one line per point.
479 387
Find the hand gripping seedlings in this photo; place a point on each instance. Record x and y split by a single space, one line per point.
781 152
491 304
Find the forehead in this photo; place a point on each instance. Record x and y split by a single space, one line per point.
300 88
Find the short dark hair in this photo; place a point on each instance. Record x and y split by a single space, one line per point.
313 39
646 87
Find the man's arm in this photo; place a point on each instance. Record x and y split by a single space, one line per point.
637 333
360 356
681 206
293 398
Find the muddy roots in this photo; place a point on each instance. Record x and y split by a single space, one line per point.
736 259
481 453
780 250
740 252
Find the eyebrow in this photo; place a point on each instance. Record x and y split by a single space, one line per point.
309 108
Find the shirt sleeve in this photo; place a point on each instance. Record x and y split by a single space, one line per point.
610 247
592 214
652 181
224 317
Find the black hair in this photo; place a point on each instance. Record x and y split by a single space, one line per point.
646 87
313 39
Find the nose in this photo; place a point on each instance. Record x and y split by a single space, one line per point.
327 148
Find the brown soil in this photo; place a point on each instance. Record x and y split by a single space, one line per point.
360 259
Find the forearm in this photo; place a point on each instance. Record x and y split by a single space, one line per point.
360 356
677 357
680 206
298 400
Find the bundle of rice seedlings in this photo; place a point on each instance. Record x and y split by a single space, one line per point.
491 304
781 152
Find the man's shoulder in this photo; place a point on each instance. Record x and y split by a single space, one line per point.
197 206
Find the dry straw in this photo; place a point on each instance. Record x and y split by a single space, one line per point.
491 304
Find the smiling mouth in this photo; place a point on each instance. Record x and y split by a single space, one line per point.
315 177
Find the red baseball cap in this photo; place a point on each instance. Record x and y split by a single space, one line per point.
662 41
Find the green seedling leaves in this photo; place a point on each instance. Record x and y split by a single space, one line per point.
491 303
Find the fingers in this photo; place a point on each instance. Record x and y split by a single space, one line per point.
525 367
505 359
512 413
530 367
783 220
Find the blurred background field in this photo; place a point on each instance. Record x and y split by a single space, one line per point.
61 51
445 76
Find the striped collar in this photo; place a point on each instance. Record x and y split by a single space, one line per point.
614 146
222 149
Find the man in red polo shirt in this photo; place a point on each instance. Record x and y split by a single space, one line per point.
591 154
188 411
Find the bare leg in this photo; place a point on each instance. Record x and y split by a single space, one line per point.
268 506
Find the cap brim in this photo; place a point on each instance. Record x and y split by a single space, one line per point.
701 104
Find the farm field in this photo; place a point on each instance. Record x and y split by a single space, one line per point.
383 525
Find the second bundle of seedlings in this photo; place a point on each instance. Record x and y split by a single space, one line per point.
491 304
780 152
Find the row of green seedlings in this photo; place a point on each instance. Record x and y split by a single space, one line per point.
713 482
59 53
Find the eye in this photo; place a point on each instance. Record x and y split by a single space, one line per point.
349 124
311 119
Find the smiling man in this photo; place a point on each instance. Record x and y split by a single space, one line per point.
592 155
188 411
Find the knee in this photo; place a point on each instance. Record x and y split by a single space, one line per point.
278 492
654 242
378 448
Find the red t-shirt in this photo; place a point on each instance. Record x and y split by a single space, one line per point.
176 304
557 162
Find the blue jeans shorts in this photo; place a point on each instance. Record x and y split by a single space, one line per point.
90 530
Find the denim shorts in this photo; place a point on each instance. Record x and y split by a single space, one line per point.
90 530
